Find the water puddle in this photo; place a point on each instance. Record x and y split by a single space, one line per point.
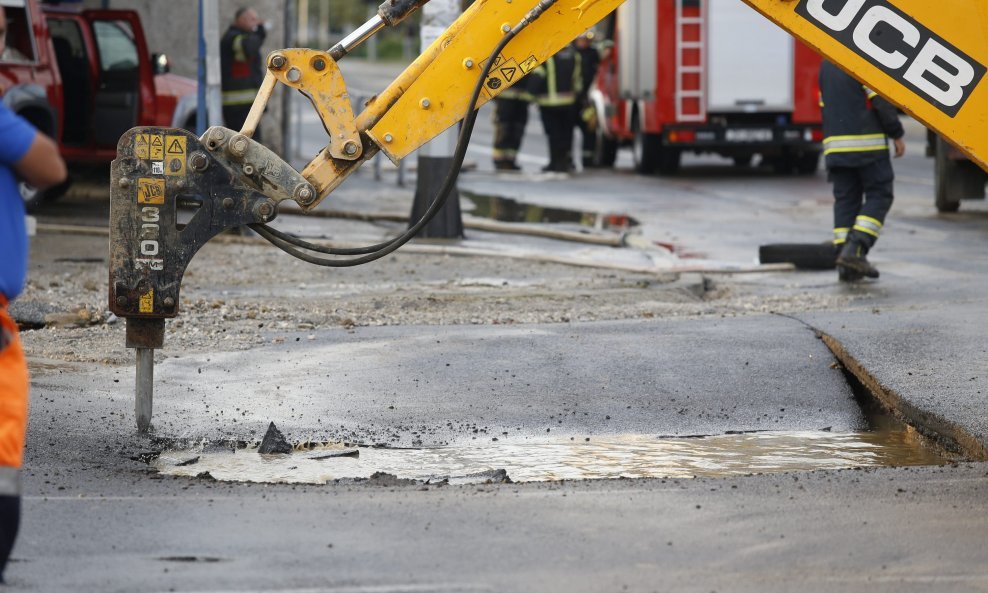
508 210
599 457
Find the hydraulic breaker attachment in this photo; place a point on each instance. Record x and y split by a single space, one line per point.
170 193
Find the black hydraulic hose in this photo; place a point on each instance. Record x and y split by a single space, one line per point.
375 252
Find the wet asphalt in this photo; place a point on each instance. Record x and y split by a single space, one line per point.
98 519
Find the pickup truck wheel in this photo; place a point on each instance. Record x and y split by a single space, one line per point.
955 180
35 198
32 196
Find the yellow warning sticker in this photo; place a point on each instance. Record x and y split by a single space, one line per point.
142 146
157 147
502 75
146 304
150 191
531 63
175 155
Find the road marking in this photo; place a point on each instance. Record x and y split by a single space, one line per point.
409 588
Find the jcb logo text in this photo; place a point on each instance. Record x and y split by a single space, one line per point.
901 47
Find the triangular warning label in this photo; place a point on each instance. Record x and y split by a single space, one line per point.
156 141
176 147
508 73
142 140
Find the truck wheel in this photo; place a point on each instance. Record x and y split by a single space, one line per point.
35 198
808 163
955 180
669 160
645 148
606 152
32 196
742 160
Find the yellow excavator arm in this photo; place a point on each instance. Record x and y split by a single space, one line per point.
927 57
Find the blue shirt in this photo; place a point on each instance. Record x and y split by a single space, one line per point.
16 136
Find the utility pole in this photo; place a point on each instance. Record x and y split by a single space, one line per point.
435 159
209 108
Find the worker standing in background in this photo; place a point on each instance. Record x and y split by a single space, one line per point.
242 67
510 119
555 86
856 126
27 154
587 115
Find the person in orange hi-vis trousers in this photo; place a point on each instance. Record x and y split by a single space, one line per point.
26 156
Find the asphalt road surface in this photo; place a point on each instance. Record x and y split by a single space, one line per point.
742 353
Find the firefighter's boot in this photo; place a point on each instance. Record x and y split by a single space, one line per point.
852 259
845 274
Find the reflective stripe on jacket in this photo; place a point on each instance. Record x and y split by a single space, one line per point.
241 64
558 81
856 121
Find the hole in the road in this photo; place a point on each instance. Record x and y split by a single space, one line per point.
888 443
508 210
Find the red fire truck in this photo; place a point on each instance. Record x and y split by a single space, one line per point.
706 76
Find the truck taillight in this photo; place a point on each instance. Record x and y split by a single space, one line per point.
813 135
682 136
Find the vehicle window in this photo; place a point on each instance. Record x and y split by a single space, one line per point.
115 42
20 44
66 36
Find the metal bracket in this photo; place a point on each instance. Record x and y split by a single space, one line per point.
317 76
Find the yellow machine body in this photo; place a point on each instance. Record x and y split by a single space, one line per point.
930 58
438 97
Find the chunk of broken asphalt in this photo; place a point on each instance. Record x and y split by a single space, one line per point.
274 442
334 454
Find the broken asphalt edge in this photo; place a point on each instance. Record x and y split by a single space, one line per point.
949 434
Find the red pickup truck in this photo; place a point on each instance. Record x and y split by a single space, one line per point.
85 77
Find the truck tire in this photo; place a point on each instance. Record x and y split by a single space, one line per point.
955 180
35 198
606 151
669 160
808 163
643 151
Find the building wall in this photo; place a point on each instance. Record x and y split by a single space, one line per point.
172 28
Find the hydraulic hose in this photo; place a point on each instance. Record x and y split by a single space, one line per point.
288 244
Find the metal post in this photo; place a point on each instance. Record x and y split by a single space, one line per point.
435 159
144 388
214 72
201 117
323 24
288 103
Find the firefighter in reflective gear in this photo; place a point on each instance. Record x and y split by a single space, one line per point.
556 86
510 119
587 115
242 67
857 124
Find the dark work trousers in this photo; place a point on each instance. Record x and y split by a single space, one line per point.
862 191
10 520
510 119
558 122
234 117
588 133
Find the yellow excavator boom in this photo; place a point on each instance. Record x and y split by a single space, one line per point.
927 57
